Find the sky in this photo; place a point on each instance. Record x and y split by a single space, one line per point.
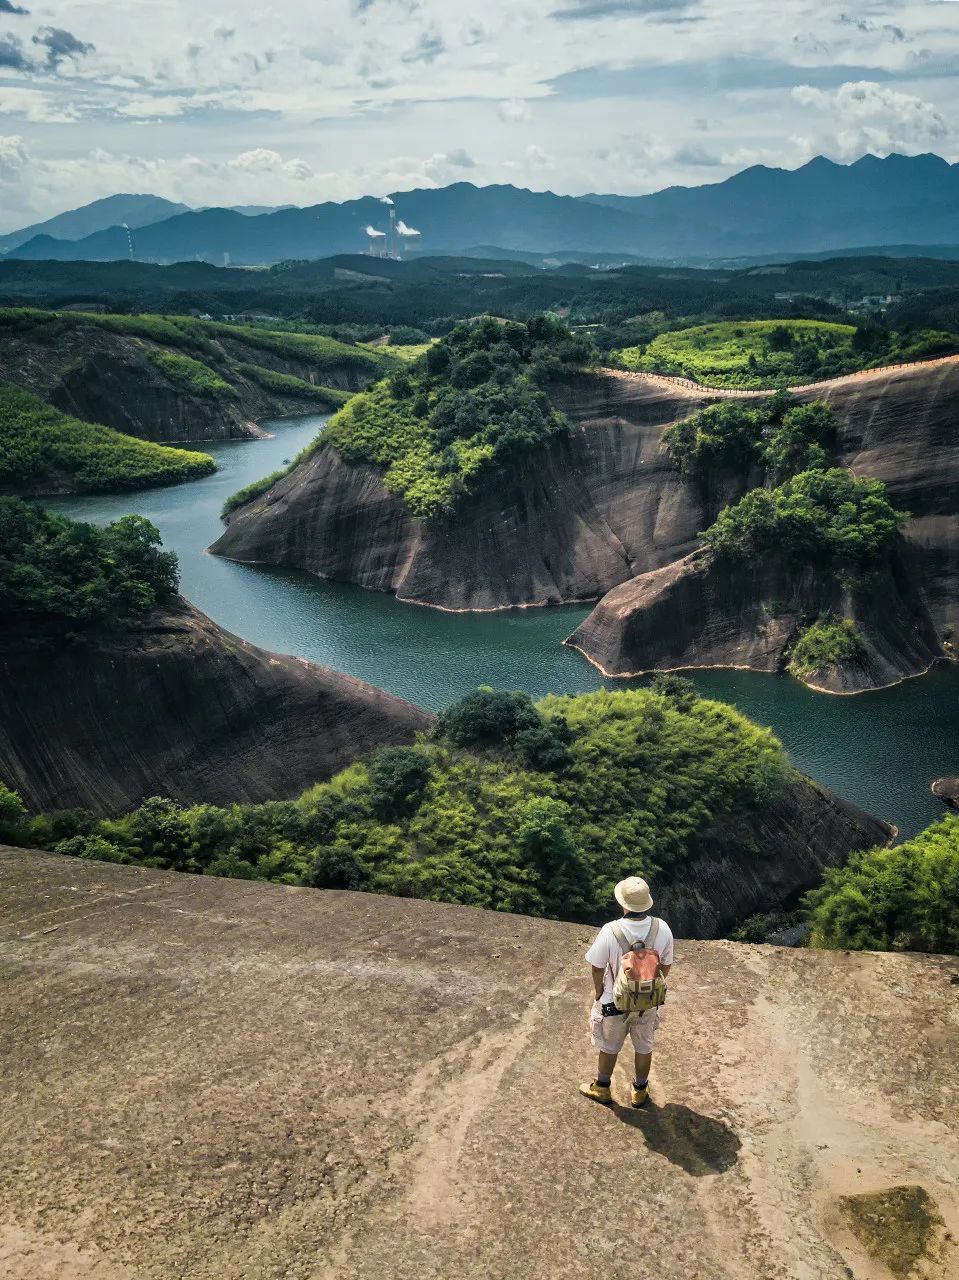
234 102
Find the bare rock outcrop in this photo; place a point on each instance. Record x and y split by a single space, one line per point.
189 1093
694 613
177 706
565 523
897 426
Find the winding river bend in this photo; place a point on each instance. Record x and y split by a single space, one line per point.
880 750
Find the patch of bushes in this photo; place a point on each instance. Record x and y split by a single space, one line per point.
828 518
190 375
752 354
472 400
900 899
284 384
44 450
827 643
779 435
517 806
62 576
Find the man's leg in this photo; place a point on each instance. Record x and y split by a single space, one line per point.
643 1063
607 1065
642 1033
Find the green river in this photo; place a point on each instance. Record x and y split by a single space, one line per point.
880 750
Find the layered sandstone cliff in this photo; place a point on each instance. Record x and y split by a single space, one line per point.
247 1137
898 426
176 706
574 520
696 614
564 523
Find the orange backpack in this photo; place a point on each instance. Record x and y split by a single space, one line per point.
638 985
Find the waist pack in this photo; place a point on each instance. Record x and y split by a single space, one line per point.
638 985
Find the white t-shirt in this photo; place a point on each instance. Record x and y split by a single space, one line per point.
606 951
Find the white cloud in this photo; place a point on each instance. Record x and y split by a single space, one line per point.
263 161
14 157
173 93
867 116
515 111
36 105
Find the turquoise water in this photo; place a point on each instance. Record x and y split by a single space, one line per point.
880 750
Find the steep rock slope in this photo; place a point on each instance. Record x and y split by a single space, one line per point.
248 1134
565 523
93 373
758 861
572 521
898 426
176 706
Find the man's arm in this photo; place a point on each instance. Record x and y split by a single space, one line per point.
664 970
599 981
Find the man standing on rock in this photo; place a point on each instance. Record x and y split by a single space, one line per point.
627 977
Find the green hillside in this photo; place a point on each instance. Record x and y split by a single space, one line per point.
44 451
751 354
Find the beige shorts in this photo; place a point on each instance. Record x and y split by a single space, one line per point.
608 1035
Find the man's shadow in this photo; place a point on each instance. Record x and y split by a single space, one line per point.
696 1143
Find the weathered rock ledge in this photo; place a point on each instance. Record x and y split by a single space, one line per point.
698 614
177 706
214 1080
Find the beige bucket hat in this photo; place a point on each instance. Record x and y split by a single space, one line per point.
633 894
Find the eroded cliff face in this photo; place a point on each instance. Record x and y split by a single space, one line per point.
696 614
898 426
761 861
100 376
176 706
563 524
901 426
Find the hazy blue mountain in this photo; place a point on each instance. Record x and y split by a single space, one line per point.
76 224
820 207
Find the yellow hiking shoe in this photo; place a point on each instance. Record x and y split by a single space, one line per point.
598 1092
637 1097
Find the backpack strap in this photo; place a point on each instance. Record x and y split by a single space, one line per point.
650 940
622 937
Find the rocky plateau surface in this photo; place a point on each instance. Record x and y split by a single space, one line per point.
207 1079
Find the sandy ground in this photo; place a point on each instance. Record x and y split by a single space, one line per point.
214 1080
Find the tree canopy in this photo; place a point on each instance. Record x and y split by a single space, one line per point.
62 576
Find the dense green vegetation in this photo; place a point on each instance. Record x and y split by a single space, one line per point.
319 352
189 375
776 353
59 576
628 306
284 384
750 353
473 400
900 899
44 451
778 435
826 643
508 805
832 519
257 487
174 342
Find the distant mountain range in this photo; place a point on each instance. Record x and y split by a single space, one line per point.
135 211
820 207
